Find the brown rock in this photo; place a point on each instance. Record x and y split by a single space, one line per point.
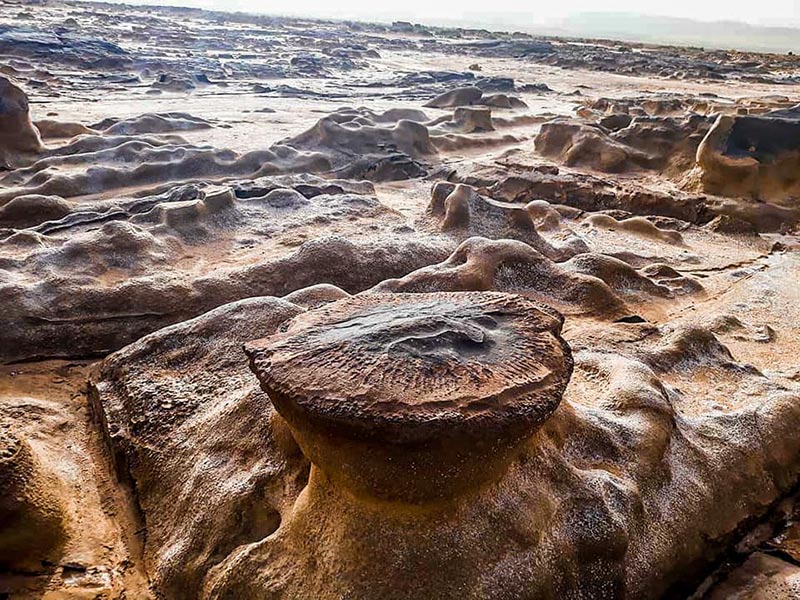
751 157
415 396
18 136
31 513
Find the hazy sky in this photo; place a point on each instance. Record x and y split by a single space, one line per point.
763 12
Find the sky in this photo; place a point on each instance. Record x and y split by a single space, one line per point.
526 13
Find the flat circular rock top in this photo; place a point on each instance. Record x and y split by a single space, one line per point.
417 366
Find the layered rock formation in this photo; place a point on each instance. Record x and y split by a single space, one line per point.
644 142
624 436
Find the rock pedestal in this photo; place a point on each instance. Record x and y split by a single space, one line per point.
408 405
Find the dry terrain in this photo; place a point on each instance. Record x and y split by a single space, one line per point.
314 310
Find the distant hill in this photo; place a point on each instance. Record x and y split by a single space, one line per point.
680 31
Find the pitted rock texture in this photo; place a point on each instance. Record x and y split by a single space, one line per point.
201 501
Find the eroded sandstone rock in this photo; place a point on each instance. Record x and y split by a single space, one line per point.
31 512
751 157
187 427
479 264
655 143
60 303
447 386
462 212
19 138
579 510
434 395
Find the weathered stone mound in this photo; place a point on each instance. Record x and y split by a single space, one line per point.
100 164
465 120
580 509
656 143
591 193
19 138
29 210
576 144
153 123
588 284
514 267
31 512
360 143
621 277
637 226
466 96
751 157
51 129
61 46
501 101
460 211
93 282
189 429
441 381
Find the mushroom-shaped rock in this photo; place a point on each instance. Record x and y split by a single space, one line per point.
415 397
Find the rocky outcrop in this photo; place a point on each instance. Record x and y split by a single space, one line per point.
60 302
653 143
361 144
473 95
437 394
461 212
211 468
570 509
751 157
31 510
19 139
